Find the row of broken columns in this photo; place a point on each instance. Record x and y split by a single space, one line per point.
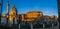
31 25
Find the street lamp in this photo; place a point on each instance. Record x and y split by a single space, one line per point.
0 12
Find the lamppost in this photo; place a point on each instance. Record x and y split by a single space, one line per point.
0 12
58 10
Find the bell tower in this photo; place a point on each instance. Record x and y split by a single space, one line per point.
7 8
7 12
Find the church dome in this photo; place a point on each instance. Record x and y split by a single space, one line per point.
13 11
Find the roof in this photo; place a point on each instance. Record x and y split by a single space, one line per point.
35 11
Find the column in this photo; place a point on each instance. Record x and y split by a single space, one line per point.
58 23
31 26
52 24
43 25
19 26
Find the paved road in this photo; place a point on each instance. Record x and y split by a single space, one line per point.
56 27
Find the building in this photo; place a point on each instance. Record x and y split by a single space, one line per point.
5 16
46 17
53 17
50 17
13 15
31 16
23 17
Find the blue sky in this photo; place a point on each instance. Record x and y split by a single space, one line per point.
48 7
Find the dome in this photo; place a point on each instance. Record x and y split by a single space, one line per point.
13 11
